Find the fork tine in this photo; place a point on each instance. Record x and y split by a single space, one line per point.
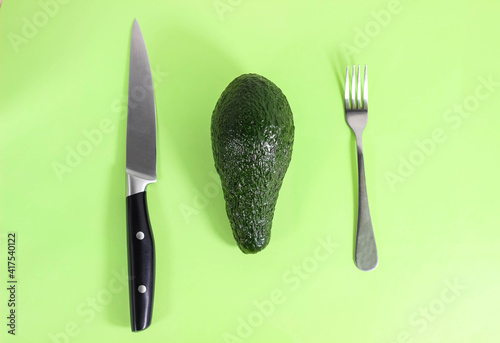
347 102
353 88
365 90
359 88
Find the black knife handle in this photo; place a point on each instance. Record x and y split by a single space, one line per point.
141 261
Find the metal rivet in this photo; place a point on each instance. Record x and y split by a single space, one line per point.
142 289
140 235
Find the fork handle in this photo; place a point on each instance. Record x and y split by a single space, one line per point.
366 257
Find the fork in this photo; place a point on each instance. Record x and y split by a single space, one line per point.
356 115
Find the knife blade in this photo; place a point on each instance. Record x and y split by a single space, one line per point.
141 171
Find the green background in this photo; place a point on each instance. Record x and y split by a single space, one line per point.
431 154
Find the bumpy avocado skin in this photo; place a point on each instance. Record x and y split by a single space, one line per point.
252 140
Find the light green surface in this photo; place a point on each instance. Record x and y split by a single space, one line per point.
435 217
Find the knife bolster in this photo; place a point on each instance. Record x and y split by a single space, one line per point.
137 184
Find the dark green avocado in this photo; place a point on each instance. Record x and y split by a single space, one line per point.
252 141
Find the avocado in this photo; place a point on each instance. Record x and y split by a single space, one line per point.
252 140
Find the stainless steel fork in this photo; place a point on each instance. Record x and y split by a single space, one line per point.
356 115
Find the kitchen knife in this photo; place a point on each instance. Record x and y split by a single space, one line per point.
141 171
